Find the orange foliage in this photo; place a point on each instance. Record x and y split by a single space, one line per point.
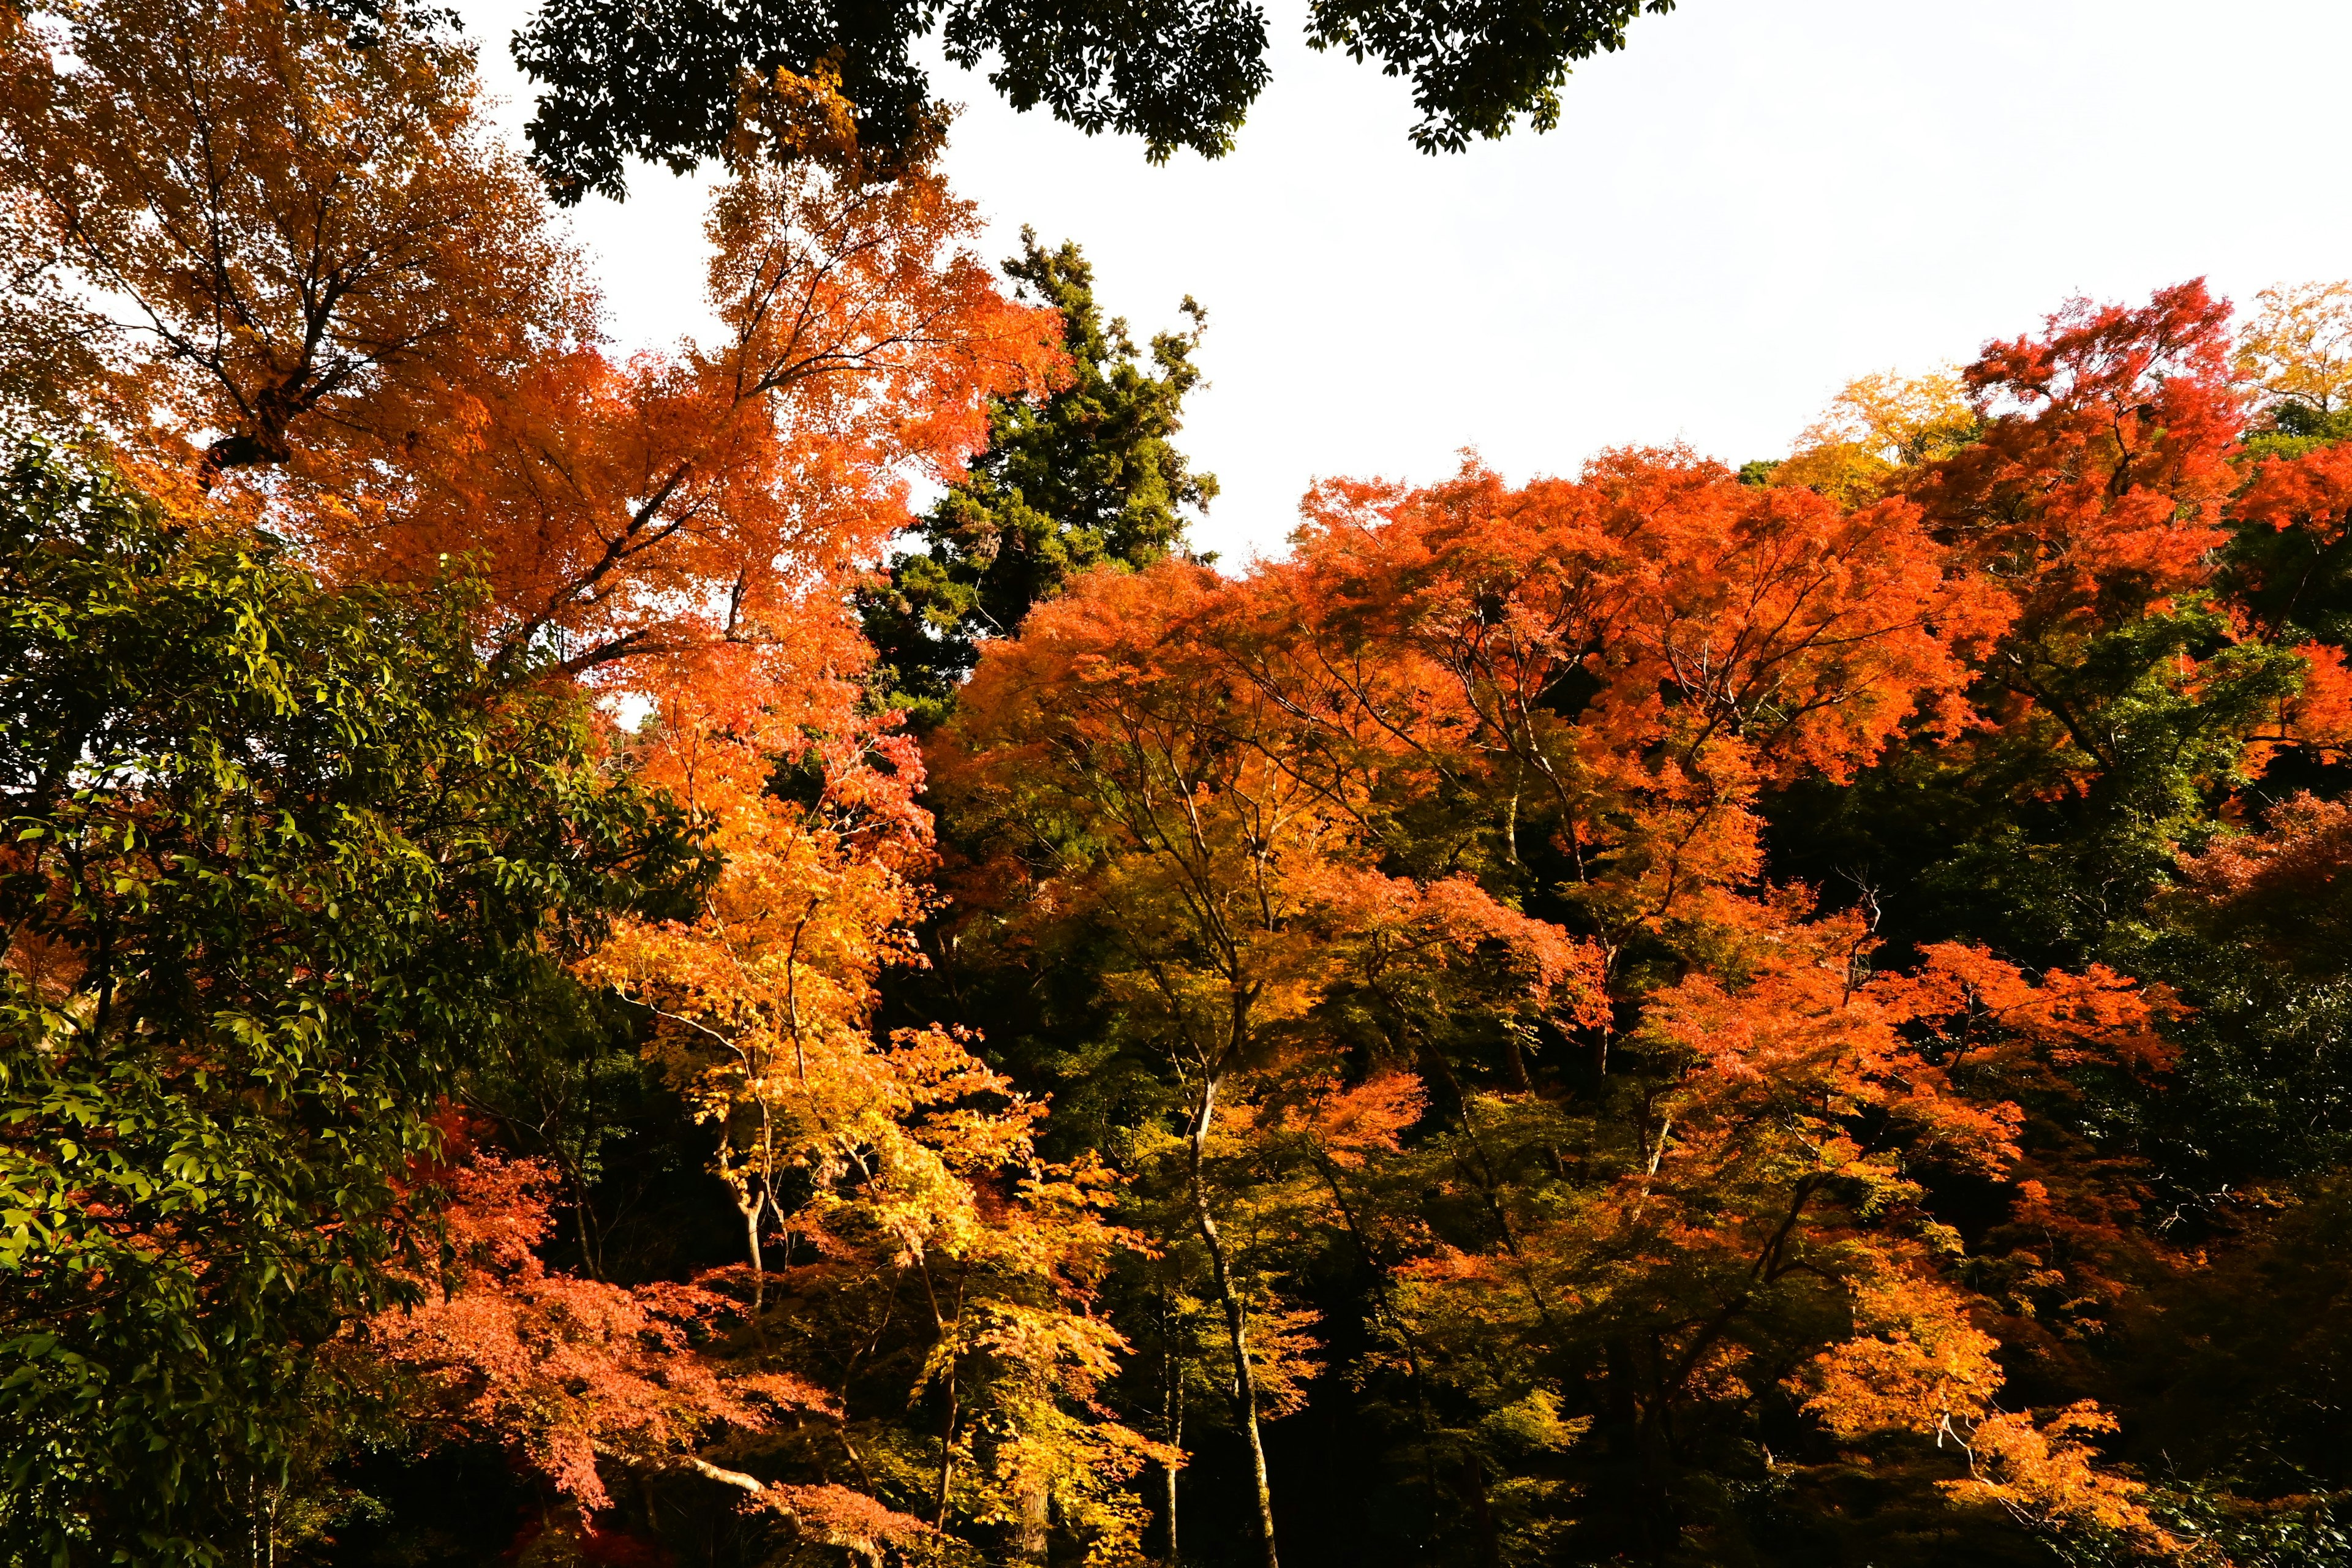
1727 635
1228 836
2311 495
2041 1474
2285 892
1353 1125
1810 1072
1986 1013
1919 1365
310 238
720 492
335 266
2314 490
1208 770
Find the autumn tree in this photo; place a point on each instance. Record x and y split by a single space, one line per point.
1231 777
1877 427
335 268
2187 688
290 238
686 524
873 1177
1145 784
1662 1015
1621 663
1576 697
2295 355
2125 704
657 507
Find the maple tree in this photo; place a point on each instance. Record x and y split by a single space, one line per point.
654 507
1877 427
1791 637
306 234
1233 885
2298 348
1601 699
693 517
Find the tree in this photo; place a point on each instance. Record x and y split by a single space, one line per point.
622 82
877 1169
1878 425
690 525
1121 748
278 857
1619 664
2289 562
1085 475
2298 350
310 237
577 1377
2123 705
1284 822
2097 484
339 271
722 494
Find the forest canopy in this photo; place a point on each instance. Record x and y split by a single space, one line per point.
743 954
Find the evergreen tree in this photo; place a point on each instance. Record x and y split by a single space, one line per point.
1087 475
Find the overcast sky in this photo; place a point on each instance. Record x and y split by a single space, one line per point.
1753 204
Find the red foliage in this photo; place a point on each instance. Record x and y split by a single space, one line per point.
2286 892
568 1371
2098 482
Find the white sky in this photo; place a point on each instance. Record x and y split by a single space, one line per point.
1750 206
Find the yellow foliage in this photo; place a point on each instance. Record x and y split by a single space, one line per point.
1877 425
2298 346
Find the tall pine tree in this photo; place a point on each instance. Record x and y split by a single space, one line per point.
1084 476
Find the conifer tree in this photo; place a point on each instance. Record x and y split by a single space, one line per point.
1084 476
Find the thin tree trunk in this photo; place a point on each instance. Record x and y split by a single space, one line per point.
1515 1057
1172 1405
759 1264
947 1429
1236 1328
1482 1517
946 1453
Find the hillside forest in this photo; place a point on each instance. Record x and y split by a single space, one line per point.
741 954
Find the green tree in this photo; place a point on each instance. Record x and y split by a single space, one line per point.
277 860
625 80
1086 476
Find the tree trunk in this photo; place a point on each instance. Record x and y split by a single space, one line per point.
1236 1328
946 1453
1171 1400
1515 1057
1482 1517
1029 1540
